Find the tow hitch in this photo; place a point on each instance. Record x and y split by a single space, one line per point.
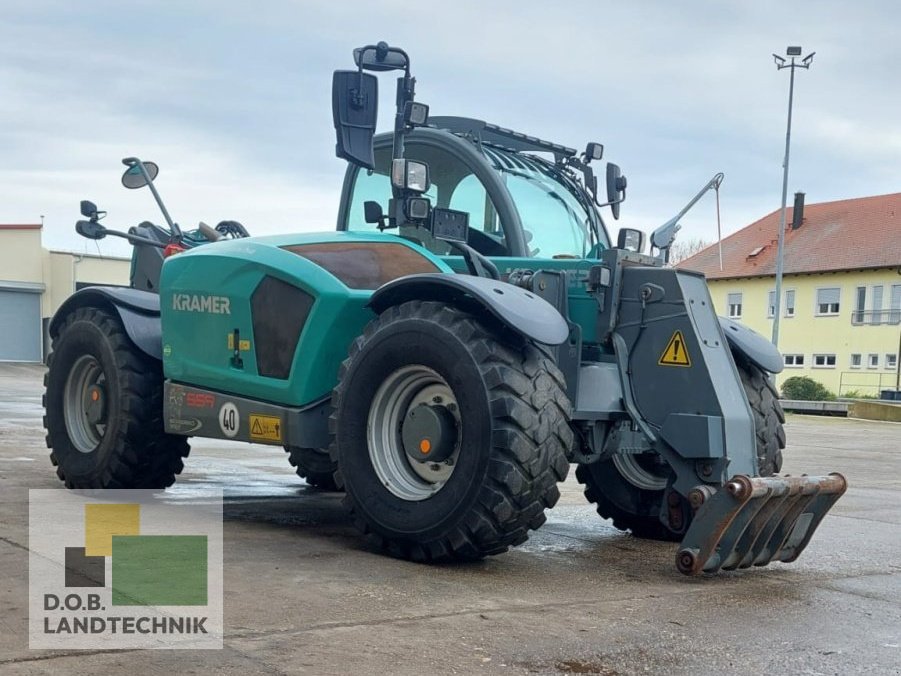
754 521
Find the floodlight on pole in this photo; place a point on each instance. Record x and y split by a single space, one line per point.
793 53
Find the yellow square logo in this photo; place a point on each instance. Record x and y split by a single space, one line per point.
101 522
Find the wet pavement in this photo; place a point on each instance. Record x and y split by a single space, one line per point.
305 594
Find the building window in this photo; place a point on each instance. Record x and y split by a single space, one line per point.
824 361
793 360
788 307
872 361
894 313
733 300
856 361
828 300
891 361
790 303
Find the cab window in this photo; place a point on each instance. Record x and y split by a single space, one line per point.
454 186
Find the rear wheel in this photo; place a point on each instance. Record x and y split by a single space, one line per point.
450 436
630 489
768 417
313 466
104 409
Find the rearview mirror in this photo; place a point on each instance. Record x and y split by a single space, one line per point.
90 229
88 209
616 188
135 178
355 98
381 58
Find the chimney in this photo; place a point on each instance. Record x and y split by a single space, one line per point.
798 211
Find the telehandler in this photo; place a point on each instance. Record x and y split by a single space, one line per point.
467 332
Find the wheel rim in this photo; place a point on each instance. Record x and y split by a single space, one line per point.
86 373
402 391
633 471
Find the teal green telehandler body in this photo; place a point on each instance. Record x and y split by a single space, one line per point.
467 332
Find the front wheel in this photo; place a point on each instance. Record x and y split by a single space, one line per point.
630 489
450 437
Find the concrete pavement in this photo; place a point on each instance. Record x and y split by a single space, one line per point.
306 594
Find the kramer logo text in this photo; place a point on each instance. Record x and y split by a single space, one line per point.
187 302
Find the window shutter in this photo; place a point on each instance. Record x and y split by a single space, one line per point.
831 295
734 299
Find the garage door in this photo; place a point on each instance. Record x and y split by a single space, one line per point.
20 326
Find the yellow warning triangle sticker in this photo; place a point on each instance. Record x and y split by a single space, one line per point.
675 354
256 428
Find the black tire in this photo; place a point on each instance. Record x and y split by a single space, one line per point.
768 417
637 510
629 508
514 417
132 450
313 466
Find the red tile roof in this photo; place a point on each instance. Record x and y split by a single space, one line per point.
845 235
19 226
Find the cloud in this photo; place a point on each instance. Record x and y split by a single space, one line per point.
233 100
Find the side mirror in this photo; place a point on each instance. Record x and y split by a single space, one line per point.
89 209
90 229
616 188
139 173
630 240
372 212
355 98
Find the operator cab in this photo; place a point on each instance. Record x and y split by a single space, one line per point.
519 204
456 184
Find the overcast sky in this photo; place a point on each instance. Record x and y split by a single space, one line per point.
233 101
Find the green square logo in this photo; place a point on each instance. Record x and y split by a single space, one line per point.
159 570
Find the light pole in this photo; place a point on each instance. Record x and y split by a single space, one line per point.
793 53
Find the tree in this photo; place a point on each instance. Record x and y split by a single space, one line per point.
685 249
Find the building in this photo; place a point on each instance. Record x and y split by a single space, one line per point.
34 282
841 305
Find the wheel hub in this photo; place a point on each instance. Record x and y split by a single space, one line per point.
85 404
429 433
95 405
414 432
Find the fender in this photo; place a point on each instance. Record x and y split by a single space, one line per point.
519 310
139 312
754 347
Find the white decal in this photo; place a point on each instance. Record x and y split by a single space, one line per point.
186 302
229 420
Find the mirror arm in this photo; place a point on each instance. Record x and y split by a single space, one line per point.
619 201
135 162
136 239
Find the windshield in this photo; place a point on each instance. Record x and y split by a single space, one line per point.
555 220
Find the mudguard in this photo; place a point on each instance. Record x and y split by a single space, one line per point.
139 312
757 349
518 309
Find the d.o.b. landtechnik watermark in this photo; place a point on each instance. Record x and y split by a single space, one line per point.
125 569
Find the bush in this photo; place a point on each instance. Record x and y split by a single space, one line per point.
857 394
803 388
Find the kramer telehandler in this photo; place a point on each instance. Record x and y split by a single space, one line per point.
467 333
